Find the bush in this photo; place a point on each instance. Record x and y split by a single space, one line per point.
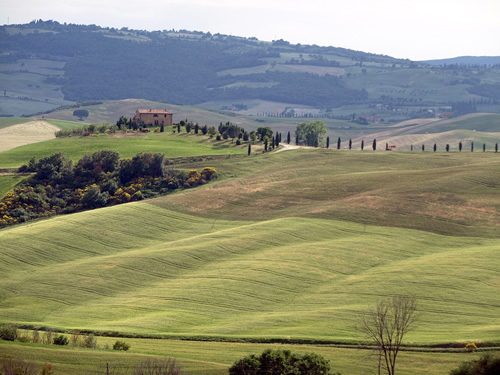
281 362
61 340
471 347
90 341
121 345
8 332
486 365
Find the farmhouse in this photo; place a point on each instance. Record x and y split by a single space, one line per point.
153 116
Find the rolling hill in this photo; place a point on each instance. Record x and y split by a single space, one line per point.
288 245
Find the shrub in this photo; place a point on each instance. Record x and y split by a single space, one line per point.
281 362
90 341
471 347
121 345
61 340
8 332
486 365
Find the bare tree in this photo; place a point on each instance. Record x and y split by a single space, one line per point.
387 324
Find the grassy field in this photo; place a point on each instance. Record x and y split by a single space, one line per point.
172 145
274 251
215 358
8 182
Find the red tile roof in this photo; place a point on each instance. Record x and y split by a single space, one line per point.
156 111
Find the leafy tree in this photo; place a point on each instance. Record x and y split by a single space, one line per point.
281 362
93 198
8 332
56 168
312 133
264 132
81 113
485 365
387 324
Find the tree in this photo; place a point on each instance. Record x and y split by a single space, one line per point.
387 324
460 146
311 134
472 146
423 147
327 142
435 147
350 144
362 144
485 365
264 132
496 147
281 362
288 138
374 145
249 149
447 147
338 143
81 113
484 147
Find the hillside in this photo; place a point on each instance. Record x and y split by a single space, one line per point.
47 64
274 251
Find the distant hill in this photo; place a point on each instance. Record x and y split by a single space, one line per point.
467 60
45 65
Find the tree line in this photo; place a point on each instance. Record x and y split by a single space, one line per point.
97 180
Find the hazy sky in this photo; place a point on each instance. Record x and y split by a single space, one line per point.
414 29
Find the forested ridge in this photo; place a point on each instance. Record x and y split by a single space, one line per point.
190 68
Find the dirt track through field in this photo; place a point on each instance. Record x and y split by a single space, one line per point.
23 134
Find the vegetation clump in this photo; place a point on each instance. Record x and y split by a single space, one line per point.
97 180
281 362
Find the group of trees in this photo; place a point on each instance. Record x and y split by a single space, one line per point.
97 180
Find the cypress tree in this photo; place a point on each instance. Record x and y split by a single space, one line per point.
435 147
278 140
362 144
350 144
447 147
328 142
460 146
338 144
472 147
423 147
288 138
265 144
484 147
296 140
387 147
162 128
496 147
411 147
374 145
249 149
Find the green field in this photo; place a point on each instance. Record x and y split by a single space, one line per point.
8 182
172 145
212 358
274 252
291 246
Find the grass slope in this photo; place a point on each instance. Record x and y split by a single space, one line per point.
172 145
271 251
